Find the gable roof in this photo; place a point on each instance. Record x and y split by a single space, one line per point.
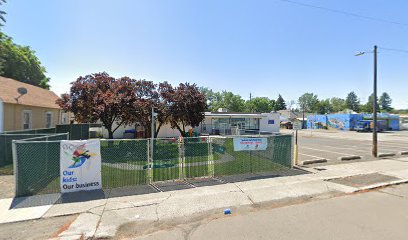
36 96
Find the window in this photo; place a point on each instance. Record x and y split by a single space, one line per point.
64 118
27 119
48 119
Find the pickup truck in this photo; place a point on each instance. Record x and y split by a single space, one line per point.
368 125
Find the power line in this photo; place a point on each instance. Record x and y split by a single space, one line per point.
394 49
346 13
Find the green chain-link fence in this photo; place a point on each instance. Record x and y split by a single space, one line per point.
134 162
37 164
6 154
227 161
32 131
166 159
197 157
124 162
76 131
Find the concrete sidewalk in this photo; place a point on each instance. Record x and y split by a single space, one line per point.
102 218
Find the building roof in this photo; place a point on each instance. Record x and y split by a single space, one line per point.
36 96
235 114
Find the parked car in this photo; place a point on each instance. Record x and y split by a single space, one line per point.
368 125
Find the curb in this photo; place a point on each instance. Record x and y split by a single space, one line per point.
348 158
386 155
321 160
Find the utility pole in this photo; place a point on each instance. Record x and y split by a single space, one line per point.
375 140
303 117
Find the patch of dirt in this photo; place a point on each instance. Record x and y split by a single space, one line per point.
6 170
6 186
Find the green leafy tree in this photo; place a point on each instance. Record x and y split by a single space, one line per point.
20 63
280 103
324 107
308 102
2 13
228 100
385 102
210 97
260 104
337 104
368 107
352 102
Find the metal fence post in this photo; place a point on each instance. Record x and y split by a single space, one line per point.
181 159
294 150
149 163
15 167
210 158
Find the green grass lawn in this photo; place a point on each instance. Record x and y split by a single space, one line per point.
114 177
6 170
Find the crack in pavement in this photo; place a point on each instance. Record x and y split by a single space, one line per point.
246 195
133 206
392 194
157 207
100 217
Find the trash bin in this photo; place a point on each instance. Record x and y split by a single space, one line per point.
129 134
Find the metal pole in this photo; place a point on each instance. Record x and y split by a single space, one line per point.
303 117
151 146
375 140
296 149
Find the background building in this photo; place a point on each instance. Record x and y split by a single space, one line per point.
34 109
348 121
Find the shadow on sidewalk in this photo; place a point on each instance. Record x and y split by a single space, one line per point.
84 196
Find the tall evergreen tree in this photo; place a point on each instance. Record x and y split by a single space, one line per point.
352 102
385 102
280 103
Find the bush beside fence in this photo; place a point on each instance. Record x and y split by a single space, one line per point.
133 162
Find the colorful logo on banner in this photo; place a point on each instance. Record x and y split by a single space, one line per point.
79 156
80 165
248 144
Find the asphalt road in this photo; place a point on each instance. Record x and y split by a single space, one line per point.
332 146
370 215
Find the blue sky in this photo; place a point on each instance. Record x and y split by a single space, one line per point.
263 47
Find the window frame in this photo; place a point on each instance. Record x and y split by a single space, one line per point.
51 119
30 120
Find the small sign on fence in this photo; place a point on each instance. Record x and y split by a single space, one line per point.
245 144
80 165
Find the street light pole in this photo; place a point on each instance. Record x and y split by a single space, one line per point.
375 140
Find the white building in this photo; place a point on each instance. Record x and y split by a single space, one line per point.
225 123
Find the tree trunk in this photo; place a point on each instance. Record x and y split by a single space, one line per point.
110 132
157 130
180 130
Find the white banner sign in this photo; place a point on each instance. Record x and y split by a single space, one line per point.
244 144
80 165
